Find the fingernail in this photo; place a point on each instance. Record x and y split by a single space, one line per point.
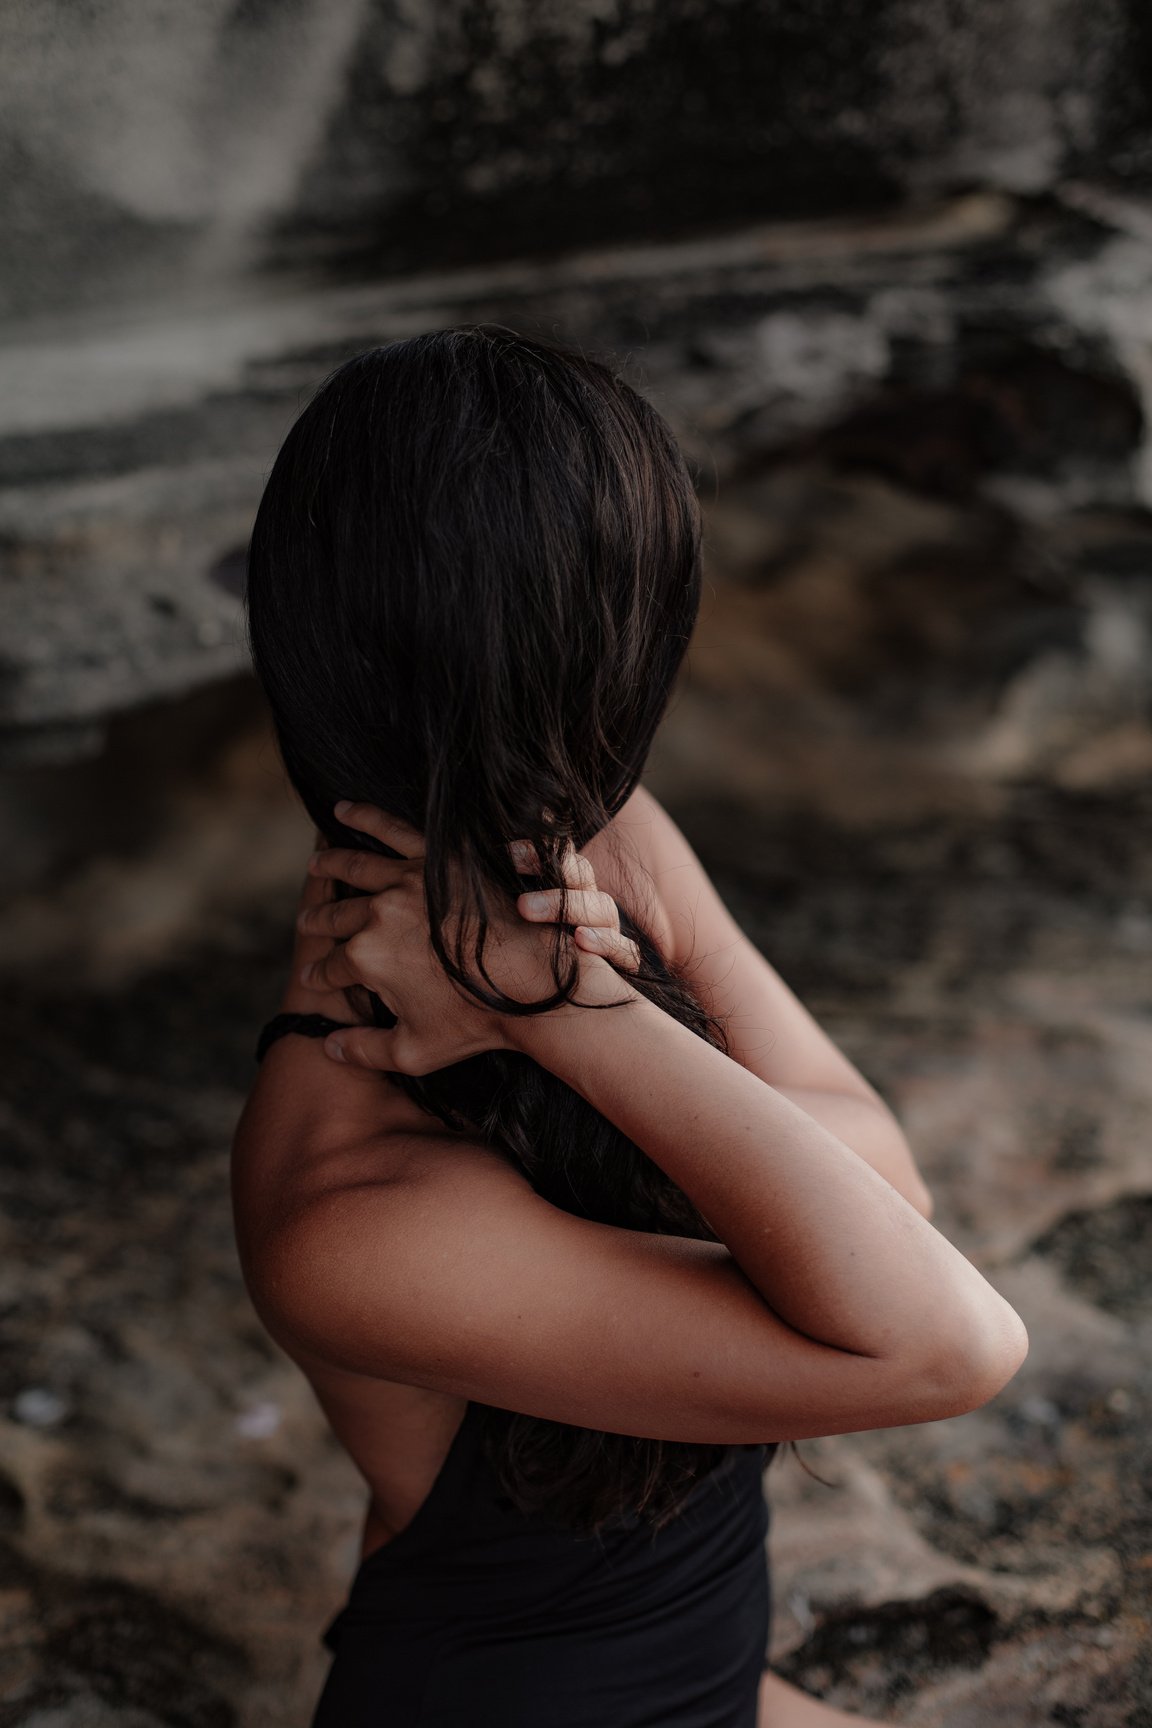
335 1049
342 807
313 861
307 971
587 933
534 902
522 851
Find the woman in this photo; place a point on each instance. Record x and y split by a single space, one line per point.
575 1213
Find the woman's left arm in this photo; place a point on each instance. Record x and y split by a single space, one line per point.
299 1097
770 1032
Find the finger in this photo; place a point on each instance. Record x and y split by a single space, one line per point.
610 945
525 857
339 918
568 906
332 971
577 871
368 819
360 869
317 891
362 1047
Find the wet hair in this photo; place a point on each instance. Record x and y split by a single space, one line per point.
472 579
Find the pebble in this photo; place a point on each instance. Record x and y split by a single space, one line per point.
37 1407
802 1611
1040 1411
259 1421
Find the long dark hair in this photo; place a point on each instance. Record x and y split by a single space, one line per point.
472 578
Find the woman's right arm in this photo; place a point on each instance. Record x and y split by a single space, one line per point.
830 1245
829 1304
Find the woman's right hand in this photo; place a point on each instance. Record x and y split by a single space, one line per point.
380 941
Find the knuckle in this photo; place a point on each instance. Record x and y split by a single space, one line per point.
354 868
405 1057
356 947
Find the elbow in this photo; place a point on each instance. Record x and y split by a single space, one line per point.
970 1371
1005 1356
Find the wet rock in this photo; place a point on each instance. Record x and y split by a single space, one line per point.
919 394
109 864
12 1506
359 134
1106 1254
39 1407
1085 1677
109 578
85 1710
886 1653
130 1652
878 651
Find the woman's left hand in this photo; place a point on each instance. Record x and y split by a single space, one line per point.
319 998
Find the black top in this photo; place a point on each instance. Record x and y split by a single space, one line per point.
478 1616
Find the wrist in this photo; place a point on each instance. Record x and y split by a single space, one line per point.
600 990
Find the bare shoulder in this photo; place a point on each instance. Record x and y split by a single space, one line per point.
770 1031
651 833
644 860
439 1266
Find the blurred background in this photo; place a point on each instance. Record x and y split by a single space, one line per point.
888 271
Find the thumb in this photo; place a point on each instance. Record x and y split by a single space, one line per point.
362 1047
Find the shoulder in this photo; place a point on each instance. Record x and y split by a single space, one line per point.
648 825
645 860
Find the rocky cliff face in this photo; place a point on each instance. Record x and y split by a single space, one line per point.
921 441
946 270
148 151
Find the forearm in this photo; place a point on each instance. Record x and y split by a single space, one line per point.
833 1249
872 1132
